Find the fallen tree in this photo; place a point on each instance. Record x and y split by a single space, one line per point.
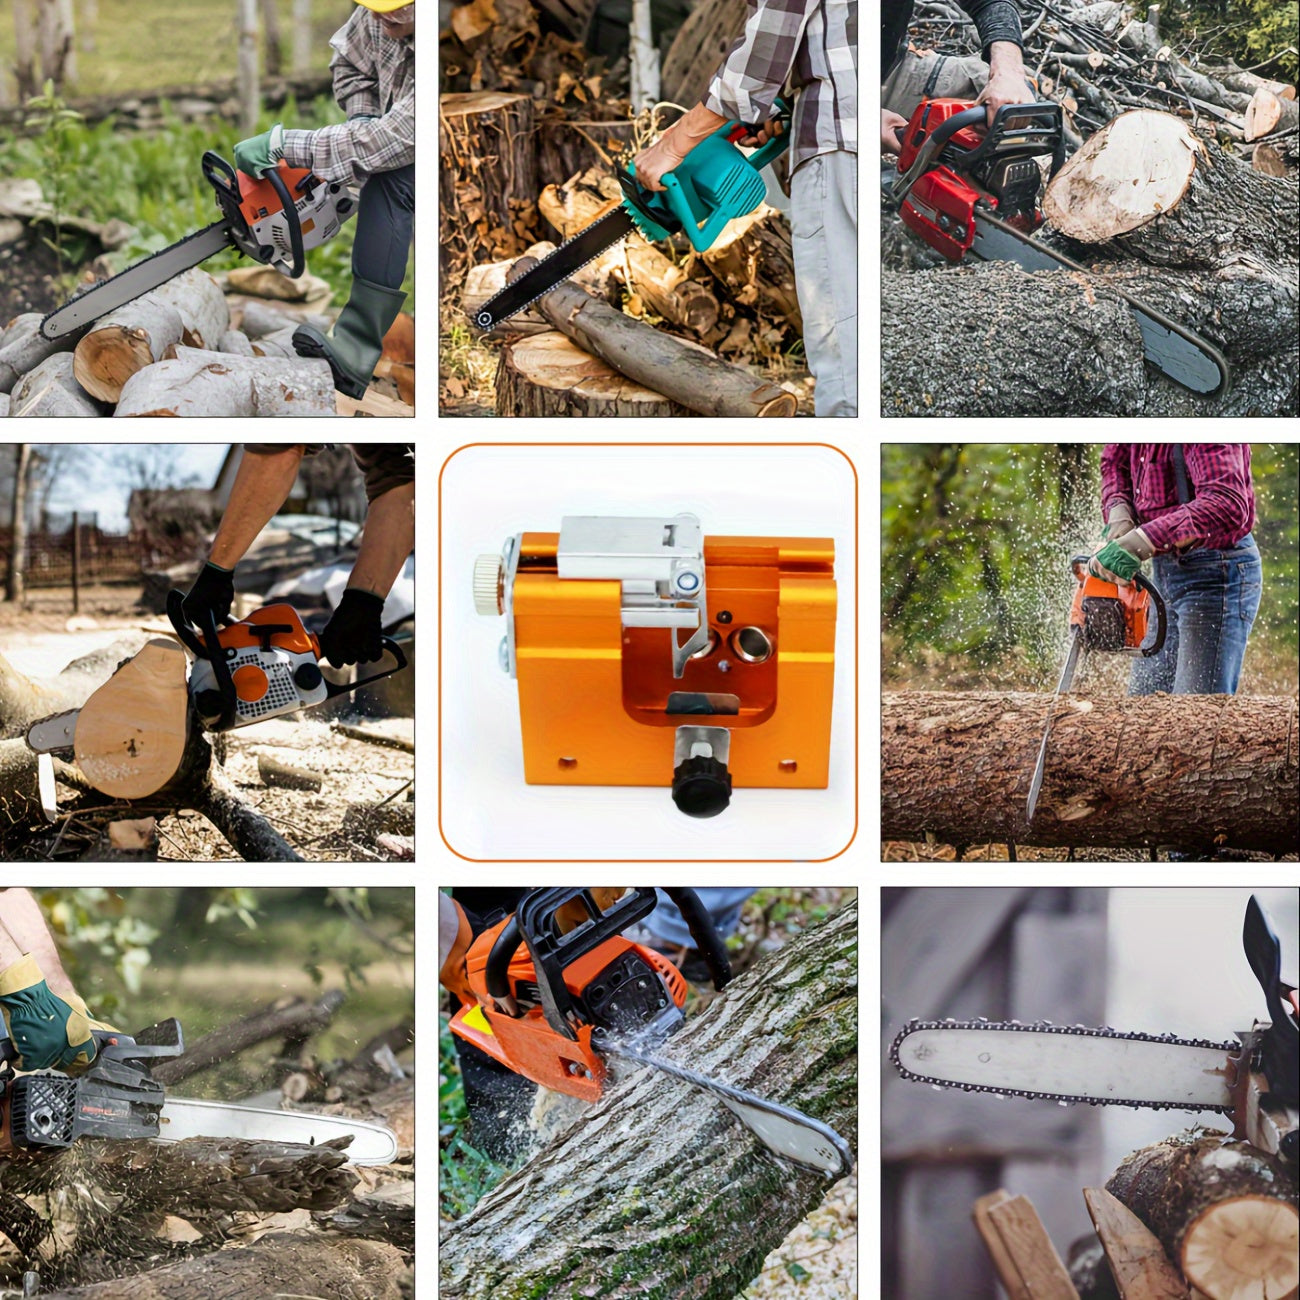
1121 771
682 1200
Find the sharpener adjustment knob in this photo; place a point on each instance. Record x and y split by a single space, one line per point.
489 578
701 787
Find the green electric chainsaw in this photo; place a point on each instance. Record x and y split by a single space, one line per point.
713 184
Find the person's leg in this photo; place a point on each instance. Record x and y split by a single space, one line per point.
1217 609
385 221
932 76
723 905
824 226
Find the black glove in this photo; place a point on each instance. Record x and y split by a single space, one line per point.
354 634
212 592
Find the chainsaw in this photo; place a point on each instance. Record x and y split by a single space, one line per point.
274 219
964 190
1256 1080
118 1097
713 184
586 994
1107 617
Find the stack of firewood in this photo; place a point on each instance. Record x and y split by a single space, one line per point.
185 349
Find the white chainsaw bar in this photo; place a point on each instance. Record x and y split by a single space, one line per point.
182 1117
1067 1064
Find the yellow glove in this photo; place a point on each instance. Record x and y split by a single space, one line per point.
47 1032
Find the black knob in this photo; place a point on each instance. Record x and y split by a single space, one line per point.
701 787
307 677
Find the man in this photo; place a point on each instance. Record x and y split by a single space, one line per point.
907 78
1191 507
374 84
265 478
814 44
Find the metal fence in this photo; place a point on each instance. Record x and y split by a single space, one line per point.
74 557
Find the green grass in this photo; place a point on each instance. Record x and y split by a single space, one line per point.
145 44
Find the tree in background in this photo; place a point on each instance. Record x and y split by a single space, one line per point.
1263 34
18 523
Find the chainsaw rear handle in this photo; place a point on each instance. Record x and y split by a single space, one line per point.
775 147
1281 1050
334 689
1079 566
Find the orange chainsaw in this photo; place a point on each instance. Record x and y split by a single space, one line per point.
555 990
1107 617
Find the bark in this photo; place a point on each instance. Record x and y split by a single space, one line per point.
1269 112
204 312
14 579
20 799
236 342
4 405
694 379
22 349
260 318
51 389
678 1198
546 374
122 343
279 343
289 1266
1121 771
1225 1212
297 1018
699 48
205 383
754 263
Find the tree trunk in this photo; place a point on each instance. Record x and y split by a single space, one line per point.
198 382
24 51
343 1268
249 97
303 46
753 261
547 374
271 38
18 524
1269 112
22 349
1226 1213
643 58
679 1197
122 343
51 389
693 378
699 48
487 182
1121 771
56 41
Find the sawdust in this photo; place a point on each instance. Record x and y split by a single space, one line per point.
819 1258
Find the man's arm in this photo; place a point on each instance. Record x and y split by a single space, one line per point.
262 483
389 537
998 23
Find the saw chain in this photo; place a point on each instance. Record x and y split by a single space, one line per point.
1047 1027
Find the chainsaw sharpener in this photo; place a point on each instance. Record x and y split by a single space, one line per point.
117 1097
948 163
646 654
576 989
259 667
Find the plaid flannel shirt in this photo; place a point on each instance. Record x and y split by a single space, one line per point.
374 77
1141 476
814 43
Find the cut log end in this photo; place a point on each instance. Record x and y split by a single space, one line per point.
1247 1248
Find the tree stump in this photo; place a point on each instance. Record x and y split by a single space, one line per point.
753 262
1226 1213
123 343
547 374
487 180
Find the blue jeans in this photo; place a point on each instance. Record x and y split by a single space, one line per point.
1213 597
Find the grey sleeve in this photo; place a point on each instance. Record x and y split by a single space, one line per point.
996 20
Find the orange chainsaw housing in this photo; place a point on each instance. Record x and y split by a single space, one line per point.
1134 603
528 1045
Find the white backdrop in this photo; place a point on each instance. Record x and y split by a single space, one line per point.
490 493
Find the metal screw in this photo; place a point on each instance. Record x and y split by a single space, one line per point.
724 616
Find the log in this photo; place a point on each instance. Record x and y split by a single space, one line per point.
1268 112
236 342
249 833
260 318
488 279
4 405
1137 1260
1226 1213
698 49
1121 771
288 777
1278 157
278 343
295 1017
694 379
198 382
344 1268
124 342
23 348
51 389
547 374
753 261
202 307
1247 83
696 1214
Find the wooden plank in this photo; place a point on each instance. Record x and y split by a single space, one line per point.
1008 1274
1031 1248
372 403
1137 1260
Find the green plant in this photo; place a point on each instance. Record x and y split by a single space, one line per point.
54 124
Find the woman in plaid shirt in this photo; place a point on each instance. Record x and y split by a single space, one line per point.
374 84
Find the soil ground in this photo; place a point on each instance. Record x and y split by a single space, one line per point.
28 277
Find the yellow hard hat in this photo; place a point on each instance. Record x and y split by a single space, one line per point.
384 6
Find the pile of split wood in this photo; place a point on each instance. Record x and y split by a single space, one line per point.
113 1220
187 349
1203 227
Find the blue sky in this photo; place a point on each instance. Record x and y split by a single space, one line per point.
99 477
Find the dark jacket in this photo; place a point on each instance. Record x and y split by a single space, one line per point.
996 20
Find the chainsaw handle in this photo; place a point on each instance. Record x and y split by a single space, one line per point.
775 147
334 689
1282 1040
298 265
205 643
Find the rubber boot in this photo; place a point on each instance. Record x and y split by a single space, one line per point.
354 345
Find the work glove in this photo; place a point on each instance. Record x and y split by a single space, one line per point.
47 1032
1119 521
260 153
213 592
354 634
1118 561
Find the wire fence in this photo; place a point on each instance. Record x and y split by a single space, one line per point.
75 556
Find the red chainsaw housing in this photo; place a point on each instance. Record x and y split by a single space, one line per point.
941 204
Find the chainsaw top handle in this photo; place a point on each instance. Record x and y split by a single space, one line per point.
345 688
1079 566
205 643
231 197
1281 1042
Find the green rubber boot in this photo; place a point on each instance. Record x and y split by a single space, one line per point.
354 345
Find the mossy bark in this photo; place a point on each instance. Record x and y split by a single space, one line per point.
657 1191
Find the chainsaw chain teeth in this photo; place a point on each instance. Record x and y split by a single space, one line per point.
1046 1027
486 321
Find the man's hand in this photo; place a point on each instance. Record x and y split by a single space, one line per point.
890 125
213 592
46 1031
260 153
354 634
1118 561
667 152
1006 83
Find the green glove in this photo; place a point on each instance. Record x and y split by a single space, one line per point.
47 1032
261 152
1119 561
